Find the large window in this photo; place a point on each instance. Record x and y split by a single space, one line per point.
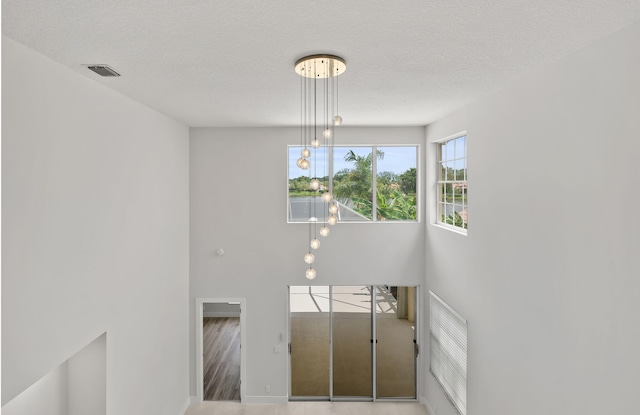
357 170
448 332
452 183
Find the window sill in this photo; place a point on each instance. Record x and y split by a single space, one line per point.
451 228
355 221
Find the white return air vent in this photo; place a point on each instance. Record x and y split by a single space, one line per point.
103 70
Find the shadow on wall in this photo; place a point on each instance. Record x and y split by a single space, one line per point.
76 387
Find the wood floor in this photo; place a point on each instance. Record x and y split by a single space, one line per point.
221 358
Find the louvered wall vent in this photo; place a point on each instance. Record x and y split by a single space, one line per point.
103 70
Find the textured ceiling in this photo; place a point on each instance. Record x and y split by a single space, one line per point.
230 62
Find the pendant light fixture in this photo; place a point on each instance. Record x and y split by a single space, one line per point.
318 118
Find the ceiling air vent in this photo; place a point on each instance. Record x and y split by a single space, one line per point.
103 70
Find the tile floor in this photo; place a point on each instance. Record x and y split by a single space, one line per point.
308 408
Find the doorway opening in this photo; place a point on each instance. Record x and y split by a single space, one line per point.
220 354
355 343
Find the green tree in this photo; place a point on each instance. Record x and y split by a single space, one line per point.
386 178
408 181
391 204
299 186
356 182
454 219
395 205
392 201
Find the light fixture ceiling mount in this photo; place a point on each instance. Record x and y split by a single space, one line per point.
320 66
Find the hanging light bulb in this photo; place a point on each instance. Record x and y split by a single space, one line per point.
316 68
299 162
309 258
310 274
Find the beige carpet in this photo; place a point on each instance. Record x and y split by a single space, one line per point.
352 355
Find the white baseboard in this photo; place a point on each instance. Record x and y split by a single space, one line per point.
266 399
427 404
220 314
188 402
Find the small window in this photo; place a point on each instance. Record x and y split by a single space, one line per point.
452 183
357 170
448 332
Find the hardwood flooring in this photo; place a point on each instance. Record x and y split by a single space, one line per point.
221 358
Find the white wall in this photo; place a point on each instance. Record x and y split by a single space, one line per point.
47 396
94 234
238 203
87 375
76 387
547 276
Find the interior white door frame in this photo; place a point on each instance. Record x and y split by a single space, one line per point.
199 343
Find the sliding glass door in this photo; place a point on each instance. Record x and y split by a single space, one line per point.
352 351
352 342
396 342
309 341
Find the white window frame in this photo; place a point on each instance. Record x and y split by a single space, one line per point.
439 182
374 166
448 357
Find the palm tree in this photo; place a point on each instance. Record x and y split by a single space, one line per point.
356 183
354 187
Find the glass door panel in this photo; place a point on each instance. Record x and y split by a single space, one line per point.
310 334
352 361
395 332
